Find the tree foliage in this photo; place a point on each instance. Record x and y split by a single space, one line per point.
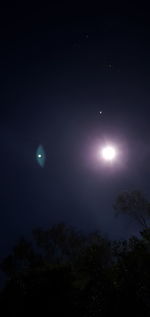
135 205
64 272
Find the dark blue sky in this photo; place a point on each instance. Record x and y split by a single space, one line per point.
54 79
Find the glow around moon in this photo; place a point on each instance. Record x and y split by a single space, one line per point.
108 153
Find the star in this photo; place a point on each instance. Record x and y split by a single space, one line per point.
109 67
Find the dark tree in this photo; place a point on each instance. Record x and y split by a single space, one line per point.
135 205
63 272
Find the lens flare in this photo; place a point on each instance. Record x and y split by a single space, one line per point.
40 156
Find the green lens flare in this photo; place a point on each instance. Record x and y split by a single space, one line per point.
40 156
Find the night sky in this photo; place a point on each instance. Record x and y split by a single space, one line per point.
57 73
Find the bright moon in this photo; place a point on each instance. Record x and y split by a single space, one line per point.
108 153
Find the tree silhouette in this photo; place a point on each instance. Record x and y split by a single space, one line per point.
64 272
135 205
